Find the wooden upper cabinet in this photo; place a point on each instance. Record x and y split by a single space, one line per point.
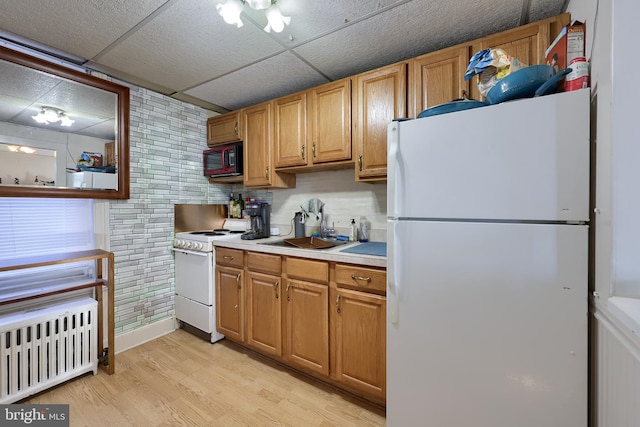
312 129
257 149
290 130
379 97
224 128
257 145
526 43
437 78
329 120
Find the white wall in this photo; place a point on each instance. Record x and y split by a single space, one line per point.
615 341
626 150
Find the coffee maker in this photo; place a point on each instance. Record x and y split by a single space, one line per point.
259 213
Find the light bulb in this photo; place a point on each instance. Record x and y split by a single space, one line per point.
230 12
259 4
65 120
276 21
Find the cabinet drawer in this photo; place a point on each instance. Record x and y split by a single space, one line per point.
361 278
264 263
229 257
305 269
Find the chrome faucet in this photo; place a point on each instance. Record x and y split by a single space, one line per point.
324 230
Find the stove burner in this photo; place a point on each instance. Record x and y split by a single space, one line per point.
208 233
221 229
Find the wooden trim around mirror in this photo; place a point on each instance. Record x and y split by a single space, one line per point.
122 141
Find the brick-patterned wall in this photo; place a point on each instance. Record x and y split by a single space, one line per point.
167 138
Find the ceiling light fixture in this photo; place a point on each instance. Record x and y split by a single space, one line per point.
231 10
16 149
49 115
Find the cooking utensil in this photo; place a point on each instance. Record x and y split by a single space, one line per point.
552 84
522 83
450 107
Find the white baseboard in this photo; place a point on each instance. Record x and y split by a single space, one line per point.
144 334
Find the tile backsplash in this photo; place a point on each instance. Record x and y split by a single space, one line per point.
343 198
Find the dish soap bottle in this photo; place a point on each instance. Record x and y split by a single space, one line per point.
353 231
364 230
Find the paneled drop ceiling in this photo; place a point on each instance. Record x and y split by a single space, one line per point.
183 48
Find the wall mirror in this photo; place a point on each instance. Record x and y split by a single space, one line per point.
63 133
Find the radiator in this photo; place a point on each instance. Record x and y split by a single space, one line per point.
617 380
46 345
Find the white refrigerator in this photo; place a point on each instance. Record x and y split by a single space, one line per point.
488 214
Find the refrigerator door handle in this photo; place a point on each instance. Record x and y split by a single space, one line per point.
393 282
392 179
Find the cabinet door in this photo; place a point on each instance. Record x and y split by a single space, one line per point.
290 130
329 119
264 329
257 145
437 78
224 128
380 97
230 303
307 325
360 341
527 43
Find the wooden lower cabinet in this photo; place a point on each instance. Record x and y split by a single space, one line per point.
230 302
359 341
325 319
307 325
264 331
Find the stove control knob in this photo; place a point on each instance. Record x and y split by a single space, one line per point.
181 243
188 246
199 246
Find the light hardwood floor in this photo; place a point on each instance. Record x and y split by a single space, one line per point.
180 379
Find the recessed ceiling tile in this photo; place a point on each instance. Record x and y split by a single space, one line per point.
313 18
187 44
269 79
80 27
404 32
542 9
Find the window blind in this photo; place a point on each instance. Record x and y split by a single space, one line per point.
31 227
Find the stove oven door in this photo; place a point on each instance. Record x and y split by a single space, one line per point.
195 275
195 282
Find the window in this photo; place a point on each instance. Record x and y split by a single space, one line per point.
32 227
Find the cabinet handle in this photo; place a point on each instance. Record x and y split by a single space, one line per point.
338 304
464 94
287 291
366 279
235 128
266 172
227 257
238 280
360 162
303 155
313 149
275 289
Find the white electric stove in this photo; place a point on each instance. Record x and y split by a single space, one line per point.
195 275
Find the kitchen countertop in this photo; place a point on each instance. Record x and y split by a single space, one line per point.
331 254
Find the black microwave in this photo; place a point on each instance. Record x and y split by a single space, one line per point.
223 160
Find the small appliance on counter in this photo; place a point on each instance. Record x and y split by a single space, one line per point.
298 223
259 219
